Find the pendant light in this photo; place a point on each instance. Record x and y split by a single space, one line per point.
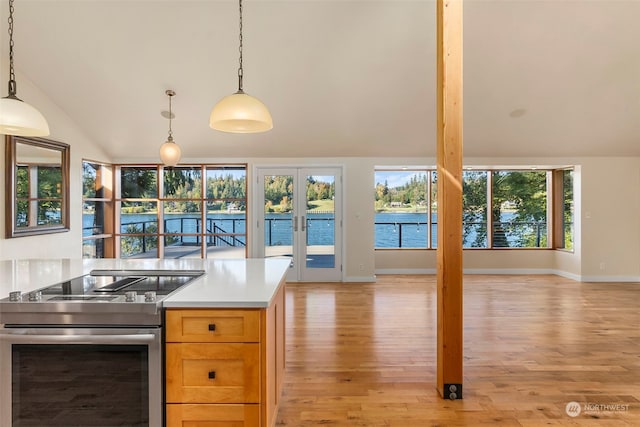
18 117
239 112
170 151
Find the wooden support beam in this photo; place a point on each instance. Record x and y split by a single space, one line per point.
449 166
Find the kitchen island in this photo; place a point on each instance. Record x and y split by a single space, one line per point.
224 345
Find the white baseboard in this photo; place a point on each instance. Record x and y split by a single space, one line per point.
360 279
406 271
467 271
567 275
618 279
517 271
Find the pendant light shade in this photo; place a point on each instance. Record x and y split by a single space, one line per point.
239 112
18 117
170 151
21 119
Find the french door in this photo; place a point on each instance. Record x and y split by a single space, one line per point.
299 217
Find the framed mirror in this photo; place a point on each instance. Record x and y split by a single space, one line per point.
37 186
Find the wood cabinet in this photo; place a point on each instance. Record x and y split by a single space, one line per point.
224 367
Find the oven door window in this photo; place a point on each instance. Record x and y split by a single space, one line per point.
80 385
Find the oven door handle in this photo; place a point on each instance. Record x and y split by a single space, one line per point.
79 339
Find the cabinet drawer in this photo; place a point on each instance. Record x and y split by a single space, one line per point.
213 373
213 415
213 325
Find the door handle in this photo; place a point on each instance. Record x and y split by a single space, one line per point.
303 224
295 223
79 339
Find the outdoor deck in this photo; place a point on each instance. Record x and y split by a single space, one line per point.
317 256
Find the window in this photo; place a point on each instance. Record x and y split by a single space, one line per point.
501 208
567 209
138 212
519 209
182 211
167 213
474 209
564 210
402 209
97 210
226 199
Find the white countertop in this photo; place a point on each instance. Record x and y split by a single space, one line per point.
233 283
229 283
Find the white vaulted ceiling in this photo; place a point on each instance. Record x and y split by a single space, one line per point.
341 78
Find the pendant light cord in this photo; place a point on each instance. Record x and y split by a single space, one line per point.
12 75
240 71
170 133
170 93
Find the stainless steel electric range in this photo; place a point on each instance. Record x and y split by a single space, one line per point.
86 351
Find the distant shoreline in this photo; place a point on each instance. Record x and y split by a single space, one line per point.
402 210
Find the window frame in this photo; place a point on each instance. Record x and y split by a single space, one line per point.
160 198
555 199
104 183
430 192
558 210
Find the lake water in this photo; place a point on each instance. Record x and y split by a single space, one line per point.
406 230
392 230
278 231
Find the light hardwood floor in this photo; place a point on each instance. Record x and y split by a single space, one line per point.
364 354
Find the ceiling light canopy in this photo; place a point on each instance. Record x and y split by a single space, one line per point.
170 151
239 112
16 116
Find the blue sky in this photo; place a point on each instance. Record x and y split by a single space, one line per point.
324 178
396 178
235 173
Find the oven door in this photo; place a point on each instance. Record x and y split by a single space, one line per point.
80 376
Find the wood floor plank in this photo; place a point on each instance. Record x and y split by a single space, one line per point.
364 354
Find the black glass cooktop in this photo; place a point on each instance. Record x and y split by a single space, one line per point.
104 284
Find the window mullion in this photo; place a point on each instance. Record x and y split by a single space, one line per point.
160 214
489 209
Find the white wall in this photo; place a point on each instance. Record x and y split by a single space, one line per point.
610 219
63 129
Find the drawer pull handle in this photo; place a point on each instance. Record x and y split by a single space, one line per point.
212 375
212 326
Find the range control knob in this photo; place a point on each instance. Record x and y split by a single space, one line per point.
150 296
130 296
35 296
15 296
